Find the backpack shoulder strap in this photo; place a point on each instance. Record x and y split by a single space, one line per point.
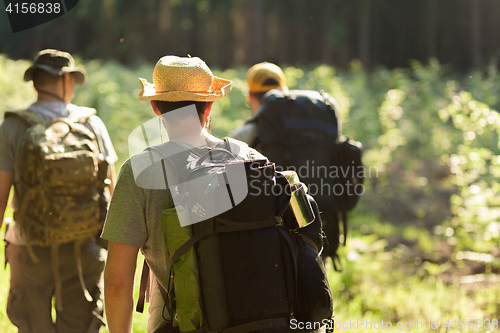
27 116
227 144
241 150
80 114
144 288
333 105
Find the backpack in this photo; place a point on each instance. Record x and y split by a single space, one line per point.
60 174
246 267
299 130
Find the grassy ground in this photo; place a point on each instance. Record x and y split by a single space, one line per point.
408 277
140 319
396 277
5 325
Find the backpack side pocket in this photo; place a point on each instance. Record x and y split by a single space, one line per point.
183 290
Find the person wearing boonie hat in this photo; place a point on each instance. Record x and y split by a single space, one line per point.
181 94
261 78
29 307
55 64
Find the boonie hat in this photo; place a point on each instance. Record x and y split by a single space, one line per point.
265 76
177 79
56 63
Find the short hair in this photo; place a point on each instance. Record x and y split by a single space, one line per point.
258 96
165 106
268 82
44 78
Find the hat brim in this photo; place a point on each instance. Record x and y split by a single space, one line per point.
79 73
260 89
220 88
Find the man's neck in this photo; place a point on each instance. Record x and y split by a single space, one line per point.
47 96
201 139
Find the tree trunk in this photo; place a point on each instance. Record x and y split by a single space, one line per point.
238 26
476 42
364 32
255 31
300 28
328 21
430 28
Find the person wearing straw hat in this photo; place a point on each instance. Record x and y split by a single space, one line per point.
33 283
182 94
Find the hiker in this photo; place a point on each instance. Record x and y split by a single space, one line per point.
163 206
59 158
299 130
261 78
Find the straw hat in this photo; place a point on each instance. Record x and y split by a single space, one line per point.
178 79
265 76
56 63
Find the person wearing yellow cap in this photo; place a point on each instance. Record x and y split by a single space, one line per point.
52 153
299 130
261 78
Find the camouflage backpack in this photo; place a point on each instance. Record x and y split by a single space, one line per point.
61 180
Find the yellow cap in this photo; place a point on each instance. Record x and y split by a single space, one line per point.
265 76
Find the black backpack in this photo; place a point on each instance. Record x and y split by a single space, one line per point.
249 267
299 130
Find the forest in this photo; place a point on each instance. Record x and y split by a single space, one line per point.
226 33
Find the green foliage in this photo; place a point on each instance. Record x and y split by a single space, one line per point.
475 164
431 140
112 89
231 112
5 325
16 94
